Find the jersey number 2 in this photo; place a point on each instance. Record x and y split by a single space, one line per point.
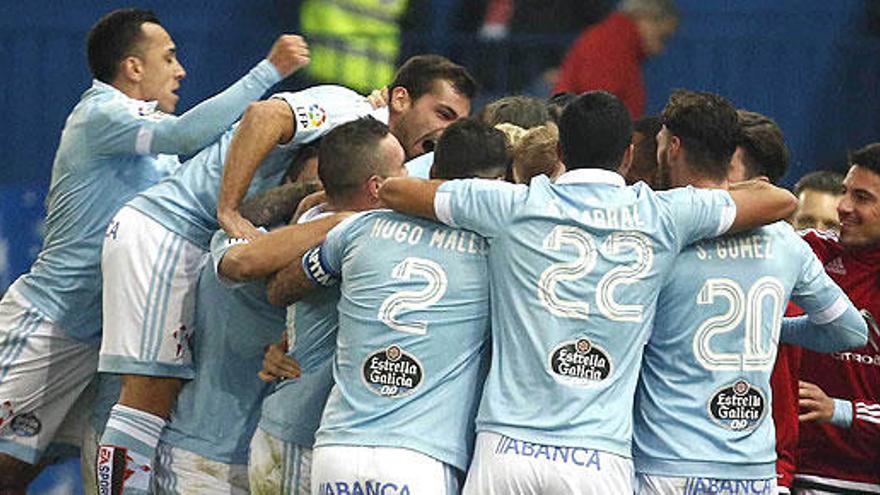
409 300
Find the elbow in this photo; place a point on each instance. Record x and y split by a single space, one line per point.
274 294
236 266
790 205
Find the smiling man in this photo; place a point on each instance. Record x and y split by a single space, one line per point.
120 139
839 444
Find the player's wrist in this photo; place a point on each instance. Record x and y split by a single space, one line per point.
842 415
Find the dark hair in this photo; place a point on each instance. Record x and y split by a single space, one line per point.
523 111
867 157
594 131
470 148
644 165
419 73
348 155
823 180
708 128
764 145
556 104
114 37
298 163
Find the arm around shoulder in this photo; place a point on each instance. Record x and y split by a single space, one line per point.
760 203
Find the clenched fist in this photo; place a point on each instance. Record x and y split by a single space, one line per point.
289 54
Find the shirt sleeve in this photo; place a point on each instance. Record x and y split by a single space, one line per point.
318 110
814 291
483 206
221 243
126 127
699 213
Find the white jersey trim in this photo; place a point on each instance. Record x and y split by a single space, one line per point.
728 215
831 313
143 141
443 208
831 482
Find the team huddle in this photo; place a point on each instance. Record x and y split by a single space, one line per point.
340 294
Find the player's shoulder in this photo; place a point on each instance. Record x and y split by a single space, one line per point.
323 92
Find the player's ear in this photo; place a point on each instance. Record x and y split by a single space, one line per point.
131 68
400 99
626 163
373 185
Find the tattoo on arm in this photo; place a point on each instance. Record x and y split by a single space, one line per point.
276 205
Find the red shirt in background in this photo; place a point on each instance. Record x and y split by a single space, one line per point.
607 56
847 458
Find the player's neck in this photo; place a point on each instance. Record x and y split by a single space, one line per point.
129 88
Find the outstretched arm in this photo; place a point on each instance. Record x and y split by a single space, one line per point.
760 203
273 251
410 195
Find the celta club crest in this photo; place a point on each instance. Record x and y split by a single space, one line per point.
873 329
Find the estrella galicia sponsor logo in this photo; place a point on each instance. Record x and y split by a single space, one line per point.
26 425
392 372
362 488
579 362
738 407
709 486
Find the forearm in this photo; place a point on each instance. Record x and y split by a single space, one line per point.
205 122
411 196
289 285
760 203
277 205
847 331
264 125
276 250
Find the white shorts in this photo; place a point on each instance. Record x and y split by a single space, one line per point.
506 466
150 278
182 471
279 467
43 374
672 485
392 471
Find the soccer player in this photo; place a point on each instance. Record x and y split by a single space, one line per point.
157 242
352 161
556 412
839 442
205 444
408 376
120 139
702 408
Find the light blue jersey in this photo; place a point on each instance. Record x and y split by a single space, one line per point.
186 203
413 334
420 166
113 147
703 401
292 410
217 411
574 268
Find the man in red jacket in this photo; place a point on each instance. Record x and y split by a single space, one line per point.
608 55
839 443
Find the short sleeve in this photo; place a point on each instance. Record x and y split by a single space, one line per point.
221 243
699 213
481 205
318 110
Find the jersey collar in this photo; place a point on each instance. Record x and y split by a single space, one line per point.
591 176
102 86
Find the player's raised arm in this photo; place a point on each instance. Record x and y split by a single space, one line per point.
265 124
410 195
149 132
272 252
760 203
